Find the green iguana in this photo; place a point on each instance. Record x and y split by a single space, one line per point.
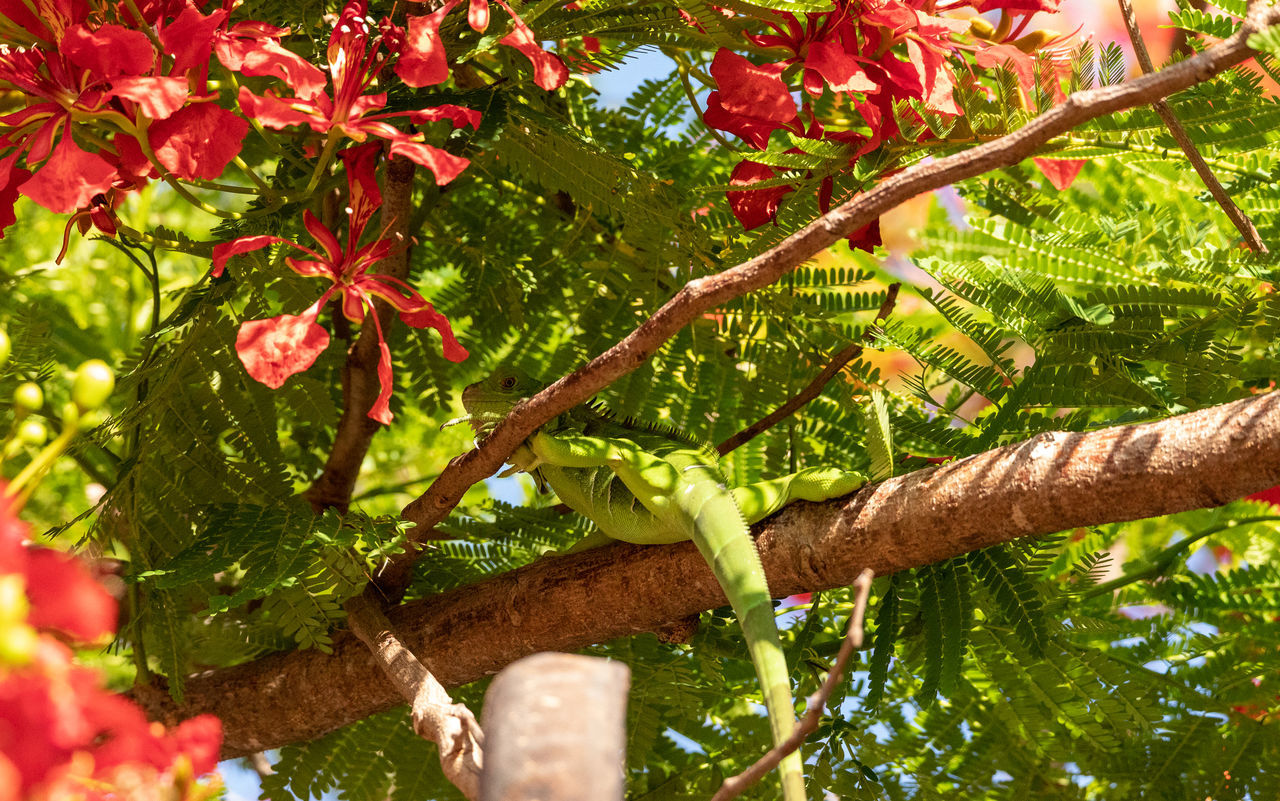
649 486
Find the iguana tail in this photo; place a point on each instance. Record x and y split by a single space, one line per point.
722 536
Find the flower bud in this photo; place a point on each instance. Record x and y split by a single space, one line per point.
18 644
33 432
1034 41
5 347
28 397
93 384
13 599
981 29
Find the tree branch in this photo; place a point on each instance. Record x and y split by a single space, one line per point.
1050 483
703 294
1238 218
436 717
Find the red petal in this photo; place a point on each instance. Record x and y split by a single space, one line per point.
428 317
158 98
478 15
65 596
422 61
328 239
1060 172
549 72
755 207
199 141
1271 496
751 90
1011 57
10 178
133 164
13 532
364 196
258 54
754 131
275 113
381 408
459 115
935 76
443 164
838 67
867 237
200 738
108 50
189 38
235 247
272 350
69 179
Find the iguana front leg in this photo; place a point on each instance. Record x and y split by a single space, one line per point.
758 501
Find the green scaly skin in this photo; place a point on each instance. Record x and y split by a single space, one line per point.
650 487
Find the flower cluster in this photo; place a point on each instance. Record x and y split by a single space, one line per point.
118 95
276 348
62 735
862 57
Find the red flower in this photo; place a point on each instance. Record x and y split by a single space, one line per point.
755 207
752 100
355 61
422 62
61 734
274 349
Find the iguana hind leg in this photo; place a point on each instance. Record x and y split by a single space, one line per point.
758 501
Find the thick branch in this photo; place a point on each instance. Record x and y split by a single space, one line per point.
704 294
1050 483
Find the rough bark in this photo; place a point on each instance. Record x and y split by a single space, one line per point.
1050 483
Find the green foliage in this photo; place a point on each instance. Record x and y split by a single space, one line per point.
1027 670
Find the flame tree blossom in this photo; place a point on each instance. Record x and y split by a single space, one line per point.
355 61
62 735
862 58
105 107
276 348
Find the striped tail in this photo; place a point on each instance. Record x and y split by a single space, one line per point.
725 542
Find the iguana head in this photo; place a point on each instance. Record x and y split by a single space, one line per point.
488 401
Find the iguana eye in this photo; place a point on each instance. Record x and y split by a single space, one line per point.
508 383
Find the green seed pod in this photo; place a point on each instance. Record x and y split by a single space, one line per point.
28 397
33 432
93 384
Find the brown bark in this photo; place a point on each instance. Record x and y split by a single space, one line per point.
1050 483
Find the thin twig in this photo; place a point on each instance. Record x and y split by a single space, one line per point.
261 765
736 785
815 387
452 727
1238 218
703 294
